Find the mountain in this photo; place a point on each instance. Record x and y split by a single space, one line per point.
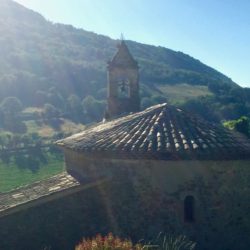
41 57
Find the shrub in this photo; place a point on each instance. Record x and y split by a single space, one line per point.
176 243
241 125
109 242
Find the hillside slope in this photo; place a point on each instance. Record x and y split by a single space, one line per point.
42 62
37 54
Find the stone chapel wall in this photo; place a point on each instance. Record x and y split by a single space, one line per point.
140 202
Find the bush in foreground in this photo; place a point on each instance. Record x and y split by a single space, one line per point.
110 242
175 243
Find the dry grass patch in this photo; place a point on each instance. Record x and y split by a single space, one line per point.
181 93
71 127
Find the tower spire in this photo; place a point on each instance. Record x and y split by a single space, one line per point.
123 83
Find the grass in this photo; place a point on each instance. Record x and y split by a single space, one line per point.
71 127
181 93
12 177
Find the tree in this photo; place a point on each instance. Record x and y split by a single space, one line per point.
11 108
74 108
93 108
11 105
203 107
50 111
1 118
56 99
5 157
3 141
241 125
40 98
157 99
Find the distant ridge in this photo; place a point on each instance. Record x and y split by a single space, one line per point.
61 55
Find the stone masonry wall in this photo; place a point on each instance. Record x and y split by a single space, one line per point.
141 200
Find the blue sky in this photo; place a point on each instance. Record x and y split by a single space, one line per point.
217 32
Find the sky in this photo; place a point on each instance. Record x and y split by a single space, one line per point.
217 32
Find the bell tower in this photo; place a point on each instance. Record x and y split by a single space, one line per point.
123 83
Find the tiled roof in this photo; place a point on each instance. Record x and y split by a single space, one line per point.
160 132
36 191
42 191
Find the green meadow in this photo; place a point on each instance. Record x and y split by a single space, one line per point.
13 177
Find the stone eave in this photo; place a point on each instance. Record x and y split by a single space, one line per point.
160 156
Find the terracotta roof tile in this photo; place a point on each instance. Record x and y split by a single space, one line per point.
42 191
36 191
160 132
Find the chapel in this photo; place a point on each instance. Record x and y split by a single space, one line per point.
136 174
172 164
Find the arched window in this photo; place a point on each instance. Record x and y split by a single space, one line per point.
123 88
189 209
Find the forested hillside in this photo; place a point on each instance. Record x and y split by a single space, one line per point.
53 82
63 70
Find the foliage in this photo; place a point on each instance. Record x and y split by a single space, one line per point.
25 158
11 105
10 150
50 111
109 242
202 107
10 110
175 243
93 108
42 62
55 98
241 125
40 98
74 108
24 151
158 99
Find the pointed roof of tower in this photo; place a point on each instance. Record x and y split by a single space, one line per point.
123 57
161 132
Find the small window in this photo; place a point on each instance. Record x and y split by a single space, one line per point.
123 88
189 209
